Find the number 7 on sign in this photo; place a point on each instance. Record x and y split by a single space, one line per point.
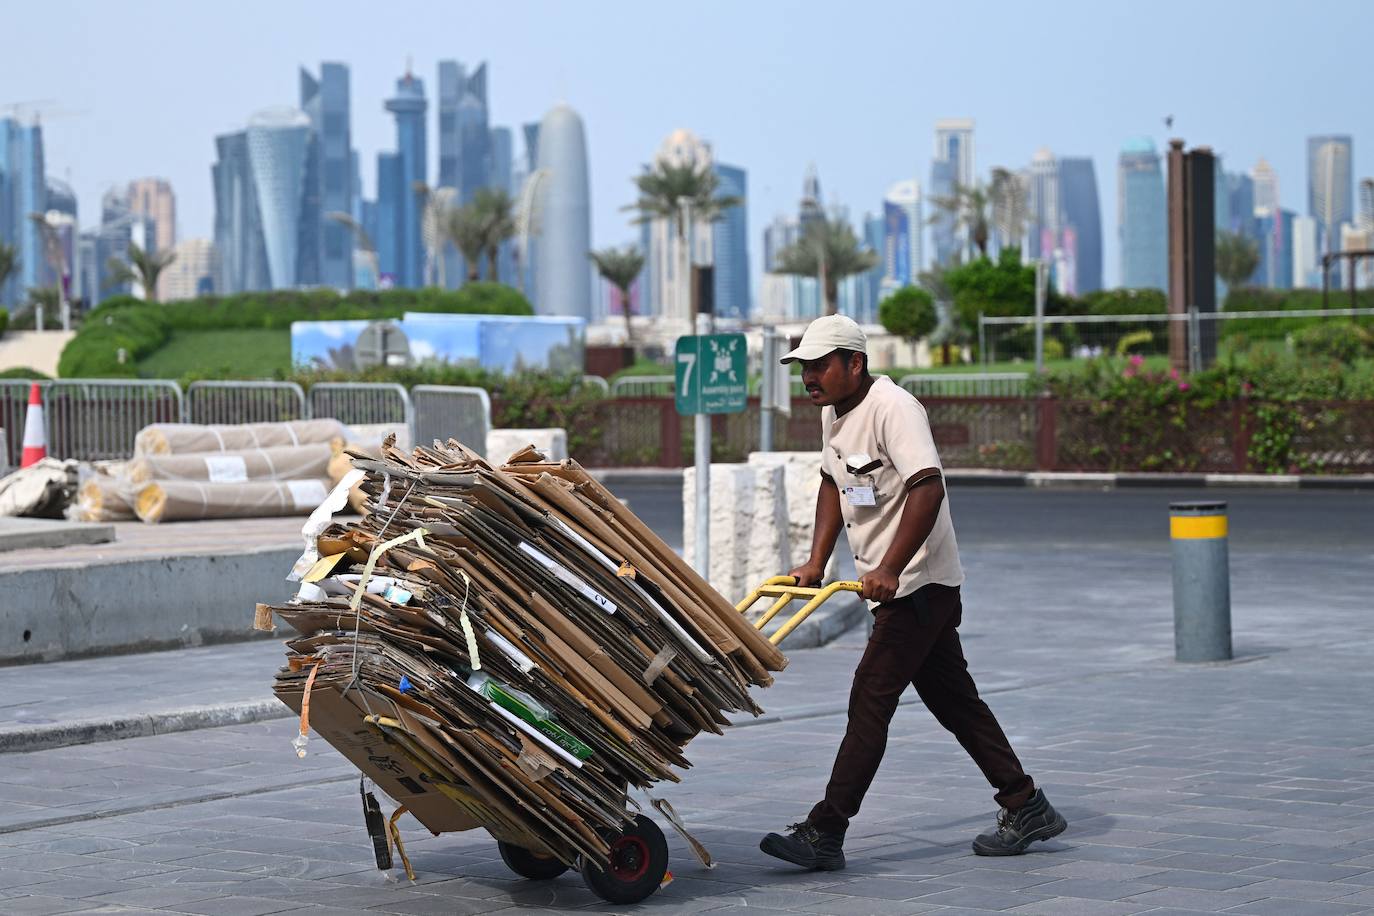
690 360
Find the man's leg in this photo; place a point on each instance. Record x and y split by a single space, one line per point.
903 633
948 691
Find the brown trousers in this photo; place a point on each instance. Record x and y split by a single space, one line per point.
915 641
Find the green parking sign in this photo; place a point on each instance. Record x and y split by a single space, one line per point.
711 374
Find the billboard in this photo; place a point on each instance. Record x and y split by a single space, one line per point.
498 343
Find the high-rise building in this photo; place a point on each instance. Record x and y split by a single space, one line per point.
23 190
900 231
952 167
465 153
811 209
1276 263
730 245
1082 214
1365 220
278 141
1330 185
152 198
1042 205
326 245
1266 187
1236 209
192 274
120 227
1142 224
384 227
1306 253
869 284
242 254
563 280
408 105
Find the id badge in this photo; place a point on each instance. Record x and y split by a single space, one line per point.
860 496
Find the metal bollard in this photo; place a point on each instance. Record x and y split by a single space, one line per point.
1202 581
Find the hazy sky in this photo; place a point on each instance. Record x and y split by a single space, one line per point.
141 88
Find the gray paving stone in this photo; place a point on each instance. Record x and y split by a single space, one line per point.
1276 906
981 898
44 906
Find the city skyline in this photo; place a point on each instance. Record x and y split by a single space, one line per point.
552 55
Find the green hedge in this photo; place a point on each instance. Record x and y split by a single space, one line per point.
140 327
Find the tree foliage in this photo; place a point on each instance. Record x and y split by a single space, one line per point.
620 267
909 312
968 207
1237 259
142 267
665 188
828 251
496 211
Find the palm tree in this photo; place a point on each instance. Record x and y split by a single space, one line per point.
9 263
1237 257
829 251
435 204
672 192
143 268
467 230
620 267
498 215
968 207
1008 197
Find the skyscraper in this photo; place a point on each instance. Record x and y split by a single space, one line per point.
278 140
900 231
192 273
326 246
1042 205
1366 217
1266 187
408 105
1237 207
242 255
1330 187
563 280
668 292
1306 254
1276 249
1082 213
730 245
23 190
952 167
1142 224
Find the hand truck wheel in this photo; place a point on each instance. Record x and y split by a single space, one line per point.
638 862
529 864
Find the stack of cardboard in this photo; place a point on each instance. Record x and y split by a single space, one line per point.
510 648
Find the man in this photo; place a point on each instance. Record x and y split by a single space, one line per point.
881 480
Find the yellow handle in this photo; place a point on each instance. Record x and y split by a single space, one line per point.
785 590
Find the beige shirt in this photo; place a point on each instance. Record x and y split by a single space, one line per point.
887 438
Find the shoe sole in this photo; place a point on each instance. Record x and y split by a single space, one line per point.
1047 832
813 865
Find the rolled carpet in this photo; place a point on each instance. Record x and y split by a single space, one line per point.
98 499
184 500
287 462
181 438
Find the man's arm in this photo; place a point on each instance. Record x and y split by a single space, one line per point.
828 521
922 508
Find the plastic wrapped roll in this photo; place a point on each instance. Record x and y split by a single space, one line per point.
99 499
181 438
184 500
288 462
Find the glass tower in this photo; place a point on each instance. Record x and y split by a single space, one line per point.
408 106
730 246
278 140
1080 210
1142 224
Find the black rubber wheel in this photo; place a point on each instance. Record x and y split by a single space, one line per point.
528 864
638 862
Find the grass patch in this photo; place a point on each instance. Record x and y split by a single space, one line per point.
243 354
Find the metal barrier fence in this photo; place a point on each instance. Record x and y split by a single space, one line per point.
642 386
244 402
597 382
452 411
97 419
364 404
966 385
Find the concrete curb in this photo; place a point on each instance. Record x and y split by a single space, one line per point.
89 731
1069 479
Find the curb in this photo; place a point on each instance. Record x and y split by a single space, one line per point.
90 731
978 477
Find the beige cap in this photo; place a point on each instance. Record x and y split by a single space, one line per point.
832 332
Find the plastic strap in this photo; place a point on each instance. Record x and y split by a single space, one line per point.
394 834
666 809
466 623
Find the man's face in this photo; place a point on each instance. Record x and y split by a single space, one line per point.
830 379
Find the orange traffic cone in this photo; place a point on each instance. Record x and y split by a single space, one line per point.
35 440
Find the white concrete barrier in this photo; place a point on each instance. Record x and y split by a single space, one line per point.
748 527
802 481
502 443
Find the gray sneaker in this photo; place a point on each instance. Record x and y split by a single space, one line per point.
1035 820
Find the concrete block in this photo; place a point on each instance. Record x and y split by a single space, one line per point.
502 443
26 533
746 530
802 481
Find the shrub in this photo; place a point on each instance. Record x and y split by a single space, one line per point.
4 321
1338 341
909 312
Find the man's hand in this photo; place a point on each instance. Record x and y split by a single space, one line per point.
879 585
808 574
